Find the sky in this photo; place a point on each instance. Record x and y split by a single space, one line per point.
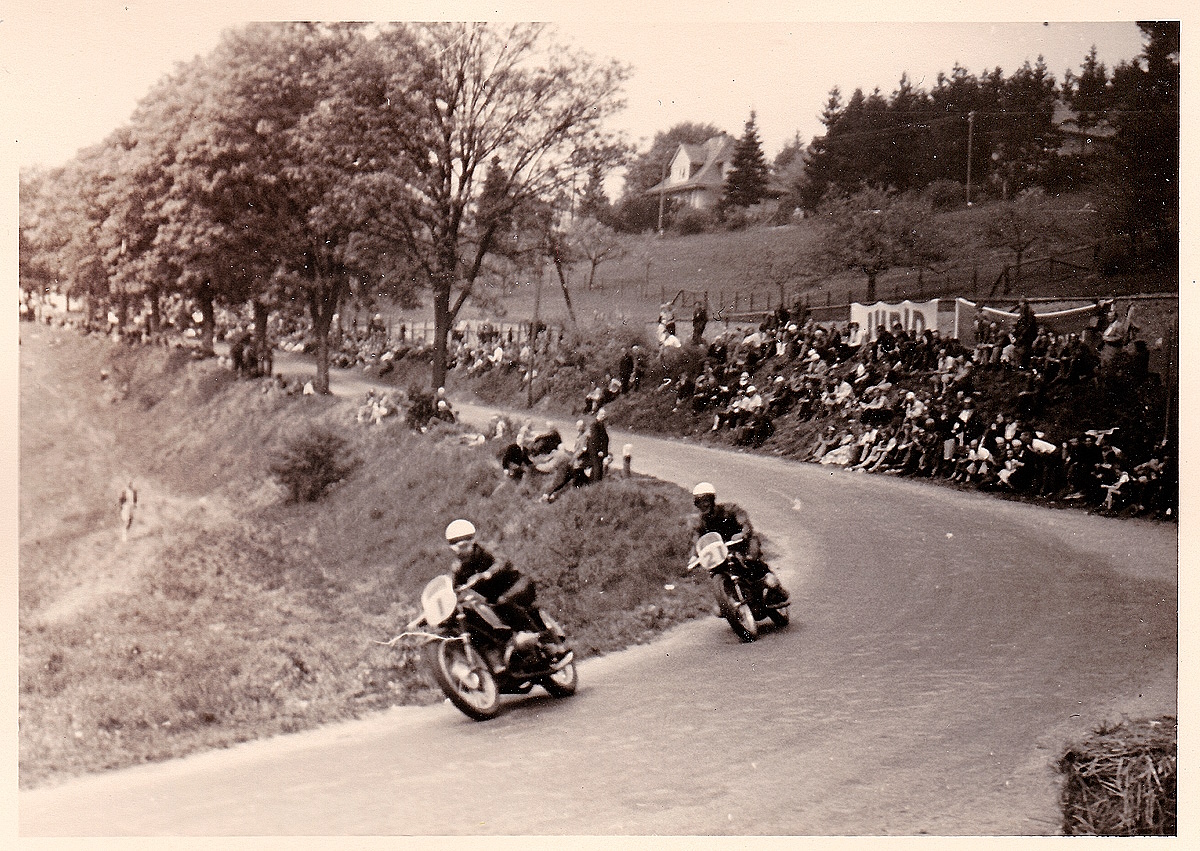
78 69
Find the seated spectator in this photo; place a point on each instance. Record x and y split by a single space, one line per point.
544 442
594 399
825 441
980 464
568 466
840 454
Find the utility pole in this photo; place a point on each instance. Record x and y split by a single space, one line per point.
662 193
970 133
533 336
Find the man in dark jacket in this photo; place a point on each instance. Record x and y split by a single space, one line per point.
597 446
510 592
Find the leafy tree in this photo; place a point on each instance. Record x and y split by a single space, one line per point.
1088 96
596 243
479 91
872 231
820 162
1027 138
746 183
66 232
1020 225
37 262
593 201
788 173
142 261
905 152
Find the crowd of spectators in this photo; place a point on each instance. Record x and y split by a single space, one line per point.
908 404
541 455
894 401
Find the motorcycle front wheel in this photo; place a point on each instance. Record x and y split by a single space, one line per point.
563 682
462 677
741 619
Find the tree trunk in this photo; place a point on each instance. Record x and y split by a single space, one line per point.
441 332
871 287
324 299
122 311
209 324
154 323
261 314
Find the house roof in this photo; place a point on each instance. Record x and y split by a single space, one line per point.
711 156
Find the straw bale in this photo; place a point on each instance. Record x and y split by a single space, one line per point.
1120 780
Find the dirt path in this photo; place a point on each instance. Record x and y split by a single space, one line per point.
70 539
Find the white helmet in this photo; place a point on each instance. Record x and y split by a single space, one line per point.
460 530
704 489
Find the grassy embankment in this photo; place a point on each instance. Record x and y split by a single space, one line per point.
231 615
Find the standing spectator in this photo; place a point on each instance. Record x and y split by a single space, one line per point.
699 322
128 503
666 318
1025 332
237 351
625 370
639 368
597 446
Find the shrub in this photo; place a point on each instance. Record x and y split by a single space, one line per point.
945 194
691 222
311 462
422 405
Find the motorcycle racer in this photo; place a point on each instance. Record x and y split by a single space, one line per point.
728 519
511 593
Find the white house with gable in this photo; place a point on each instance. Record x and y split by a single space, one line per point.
697 173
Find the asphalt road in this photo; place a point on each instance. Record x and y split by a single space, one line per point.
943 648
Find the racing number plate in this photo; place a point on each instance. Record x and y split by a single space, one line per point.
438 600
711 550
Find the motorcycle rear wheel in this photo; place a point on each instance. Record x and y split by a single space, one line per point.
462 677
563 682
781 617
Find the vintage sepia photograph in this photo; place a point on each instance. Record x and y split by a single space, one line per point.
580 424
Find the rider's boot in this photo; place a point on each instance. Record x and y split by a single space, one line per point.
553 639
773 588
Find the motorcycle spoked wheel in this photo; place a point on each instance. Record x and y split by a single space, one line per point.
740 617
563 682
464 679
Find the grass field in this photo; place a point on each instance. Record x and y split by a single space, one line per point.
743 271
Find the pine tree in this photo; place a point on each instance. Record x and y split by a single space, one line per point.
747 182
593 201
1088 94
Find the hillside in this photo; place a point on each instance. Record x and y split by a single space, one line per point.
230 614
742 270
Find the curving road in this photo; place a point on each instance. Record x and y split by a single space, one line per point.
944 646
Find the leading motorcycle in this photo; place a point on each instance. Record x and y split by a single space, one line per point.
743 601
475 657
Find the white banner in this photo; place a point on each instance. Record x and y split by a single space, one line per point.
1072 319
912 316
